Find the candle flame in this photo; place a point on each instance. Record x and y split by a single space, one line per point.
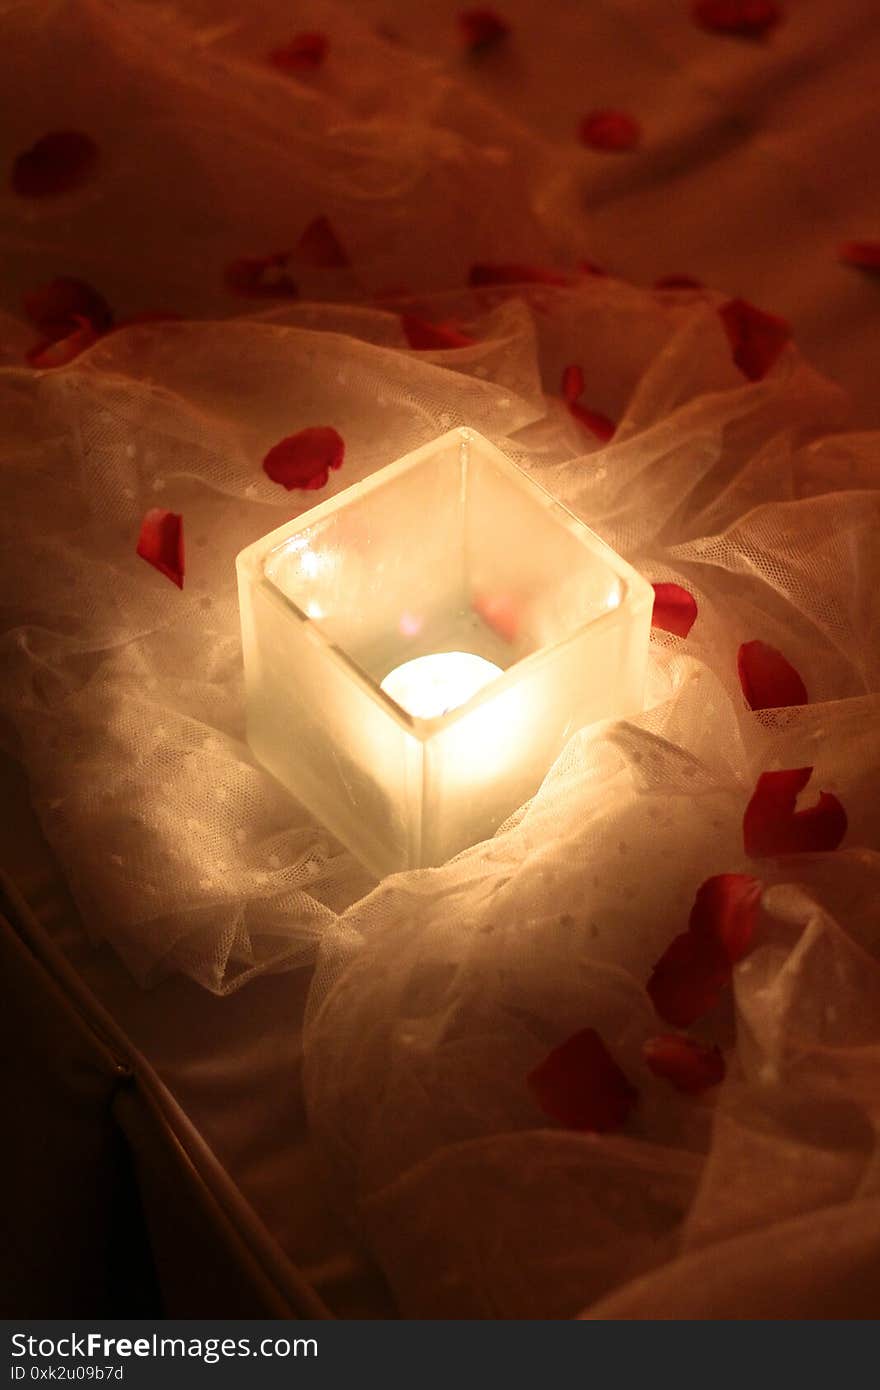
430 686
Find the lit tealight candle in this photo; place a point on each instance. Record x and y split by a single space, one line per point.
432 685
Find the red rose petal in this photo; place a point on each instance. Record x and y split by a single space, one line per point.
689 1065
428 337
678 282
160 543
58 352
610 130
500 612
57 308
725 912
768 680
572 383
58 163
696 967
675 610
864 255
510 273
304 459
593 420
580 1085
320 247
261 277
747 19
772 826
482 29
304 53
71 316
689 978
756 338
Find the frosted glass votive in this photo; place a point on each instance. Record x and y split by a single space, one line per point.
452 552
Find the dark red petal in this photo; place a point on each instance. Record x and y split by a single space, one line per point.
689 978
58 352
510 273
55 308
697 965
304 53
747 19
500 612
430 337
572 383
865 255
678 282
320 247
688 1065
580 1085
304 459
675 610
482 29
261 277
768 680
593 420
610 130
725 913
756 338
60 162
160 543
771 825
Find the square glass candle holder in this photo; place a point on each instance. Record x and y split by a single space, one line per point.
453 549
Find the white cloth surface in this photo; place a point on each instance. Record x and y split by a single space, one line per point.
437 992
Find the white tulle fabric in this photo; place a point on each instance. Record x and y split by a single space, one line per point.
437 991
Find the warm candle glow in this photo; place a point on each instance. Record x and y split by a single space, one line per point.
420 578
432 685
